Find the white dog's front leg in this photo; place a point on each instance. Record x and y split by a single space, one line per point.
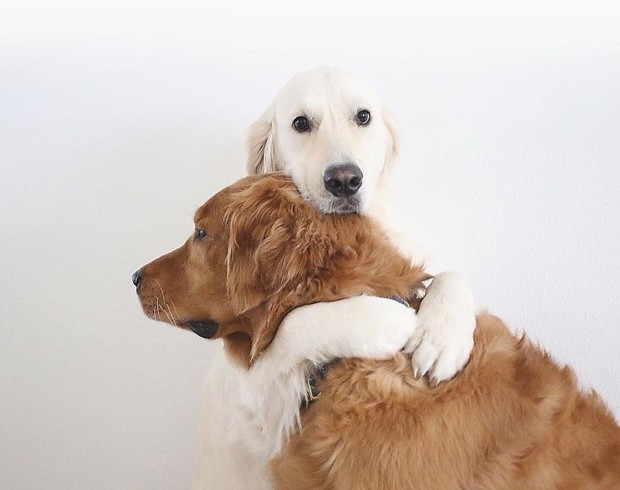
364 326
446 323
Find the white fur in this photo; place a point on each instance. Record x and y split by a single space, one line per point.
247 415
250 413
330 99
277 382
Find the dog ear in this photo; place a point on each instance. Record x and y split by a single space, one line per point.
266 324
272 247
393 142
260 259
261 145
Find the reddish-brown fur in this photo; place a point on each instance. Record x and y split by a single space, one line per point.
268 251
513 419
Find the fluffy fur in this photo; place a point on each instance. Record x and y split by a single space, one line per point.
330 98
512 419
441 344
262 403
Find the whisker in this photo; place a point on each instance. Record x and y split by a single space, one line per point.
163 295
175 310
170 315
158 308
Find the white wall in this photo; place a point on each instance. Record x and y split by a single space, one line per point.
116 122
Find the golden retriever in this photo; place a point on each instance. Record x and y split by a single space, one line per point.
512 419
329 130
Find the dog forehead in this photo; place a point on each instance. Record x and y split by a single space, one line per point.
323 89
214 206
265 188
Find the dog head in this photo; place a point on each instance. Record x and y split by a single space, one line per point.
330 132
258 251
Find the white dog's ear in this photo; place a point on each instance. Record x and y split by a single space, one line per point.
393 142
261 146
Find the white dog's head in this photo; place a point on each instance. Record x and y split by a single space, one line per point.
329 131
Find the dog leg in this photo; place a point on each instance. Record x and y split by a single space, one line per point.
363 326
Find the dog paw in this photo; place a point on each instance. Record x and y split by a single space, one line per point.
446 324
439 358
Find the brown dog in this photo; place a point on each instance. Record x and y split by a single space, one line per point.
512 419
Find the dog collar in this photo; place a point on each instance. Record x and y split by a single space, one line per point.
400 300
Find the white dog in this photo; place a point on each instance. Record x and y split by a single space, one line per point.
329 131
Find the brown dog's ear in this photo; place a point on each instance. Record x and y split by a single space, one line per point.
264 222
273 248
266 326
260 259
393 142
261 145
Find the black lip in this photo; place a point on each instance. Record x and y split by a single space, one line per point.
203 328
346 205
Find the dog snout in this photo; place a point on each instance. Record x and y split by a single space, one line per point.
343 179
136 278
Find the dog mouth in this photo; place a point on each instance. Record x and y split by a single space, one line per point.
159 310
203 328
341 205
165 311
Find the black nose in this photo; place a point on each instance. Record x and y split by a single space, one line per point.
136 277
343 179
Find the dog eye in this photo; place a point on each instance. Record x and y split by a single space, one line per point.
199 234
362 118
301 124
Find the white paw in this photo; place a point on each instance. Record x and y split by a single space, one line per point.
446 323
441 357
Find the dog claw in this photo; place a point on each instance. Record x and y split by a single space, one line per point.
419 373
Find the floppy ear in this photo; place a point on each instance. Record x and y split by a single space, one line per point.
393 142
266 328
261 258
268 257
261 145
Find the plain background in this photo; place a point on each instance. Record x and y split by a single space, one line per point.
118 119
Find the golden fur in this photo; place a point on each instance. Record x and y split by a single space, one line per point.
513 419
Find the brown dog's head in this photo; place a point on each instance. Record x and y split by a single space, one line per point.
258 251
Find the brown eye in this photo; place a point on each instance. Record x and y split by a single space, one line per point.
301 124
362 118
199 234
